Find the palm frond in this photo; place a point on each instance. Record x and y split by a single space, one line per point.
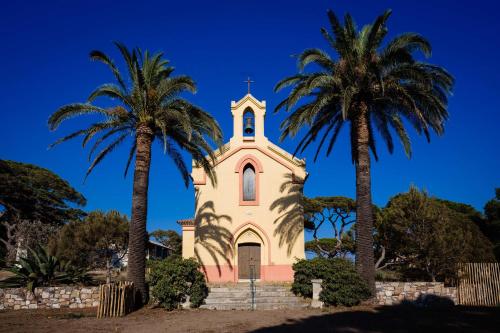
72 110
102 57
67 137
316 56
130 157
109 90
103 153
389 80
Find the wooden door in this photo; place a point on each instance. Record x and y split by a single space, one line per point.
248 260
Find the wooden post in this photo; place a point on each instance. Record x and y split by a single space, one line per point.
479 284
115 299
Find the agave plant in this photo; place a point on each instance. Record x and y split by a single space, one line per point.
40 268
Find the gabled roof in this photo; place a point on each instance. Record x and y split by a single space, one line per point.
251 99
151 241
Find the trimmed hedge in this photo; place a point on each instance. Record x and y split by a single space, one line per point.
341 285
173 279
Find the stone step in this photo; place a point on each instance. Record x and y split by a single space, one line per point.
280 306
258 306
249 294
248 300
222 306
227 289
239 297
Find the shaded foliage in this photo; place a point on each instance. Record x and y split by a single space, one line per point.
322 247
341 284
169 238
338 212
29 192
100 240
491 224
30 234
425 239
174 279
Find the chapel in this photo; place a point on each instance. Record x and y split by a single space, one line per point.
250 225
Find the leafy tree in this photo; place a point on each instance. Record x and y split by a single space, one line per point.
491 225
170 239
489 222
424 238
337 211
366 86
149 106
31 234
100 240
465 209
322 247
492 207
31 194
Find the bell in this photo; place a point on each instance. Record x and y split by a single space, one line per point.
248 126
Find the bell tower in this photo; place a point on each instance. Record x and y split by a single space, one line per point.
248 119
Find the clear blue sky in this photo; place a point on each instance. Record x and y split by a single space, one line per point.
45 64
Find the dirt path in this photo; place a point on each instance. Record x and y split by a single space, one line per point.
356 319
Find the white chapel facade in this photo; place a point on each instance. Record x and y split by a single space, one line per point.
250 224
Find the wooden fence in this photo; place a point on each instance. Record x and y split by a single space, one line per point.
479 284
115 299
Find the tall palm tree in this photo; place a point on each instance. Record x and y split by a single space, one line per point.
148 107
365 86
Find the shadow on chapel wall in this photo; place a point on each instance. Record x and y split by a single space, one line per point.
290 222
209 234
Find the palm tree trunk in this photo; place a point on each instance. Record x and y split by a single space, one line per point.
136 270
364 213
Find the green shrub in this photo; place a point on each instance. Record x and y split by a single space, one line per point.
389 276
341 283
173 279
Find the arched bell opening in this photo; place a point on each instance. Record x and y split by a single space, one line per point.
248 122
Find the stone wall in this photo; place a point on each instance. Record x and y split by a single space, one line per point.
49 297
389 293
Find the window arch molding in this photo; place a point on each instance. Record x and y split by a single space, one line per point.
257 167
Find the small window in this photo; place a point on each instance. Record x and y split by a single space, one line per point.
248 183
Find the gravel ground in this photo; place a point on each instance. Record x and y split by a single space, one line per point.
355 319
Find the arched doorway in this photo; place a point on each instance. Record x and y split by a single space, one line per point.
248 261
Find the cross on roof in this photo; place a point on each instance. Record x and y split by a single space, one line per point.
248 81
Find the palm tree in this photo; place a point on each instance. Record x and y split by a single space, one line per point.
148 107
366 86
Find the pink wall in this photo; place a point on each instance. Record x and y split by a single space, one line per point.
225 273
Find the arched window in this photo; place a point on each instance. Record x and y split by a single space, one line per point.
248 122
248 183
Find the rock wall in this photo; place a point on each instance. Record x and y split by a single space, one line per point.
49 298
389 293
